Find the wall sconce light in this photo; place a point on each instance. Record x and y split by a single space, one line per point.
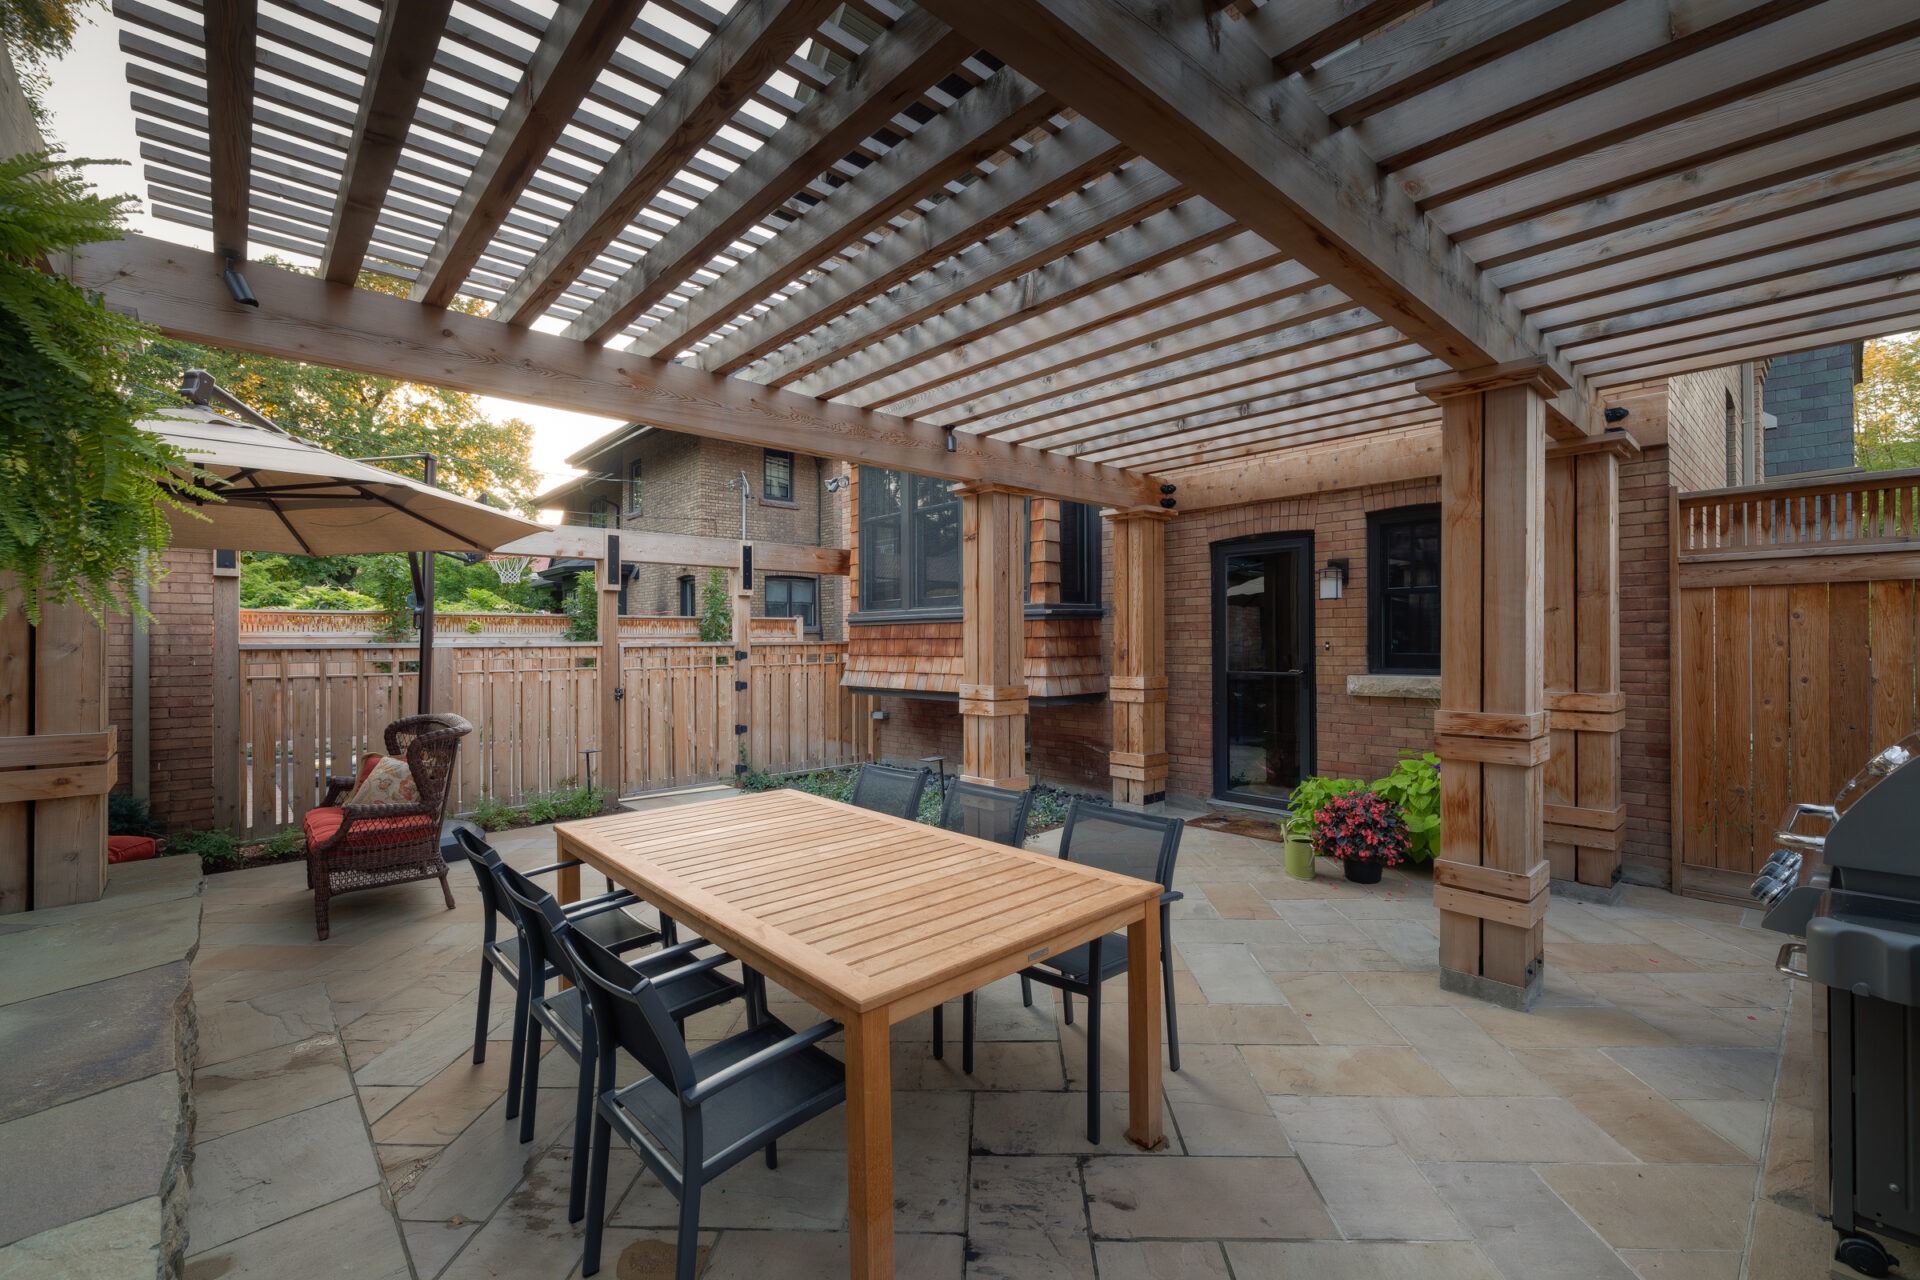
1333 579
237 283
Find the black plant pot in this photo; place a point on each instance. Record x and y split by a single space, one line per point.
1363 871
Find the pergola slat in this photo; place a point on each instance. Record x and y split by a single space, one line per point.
229 45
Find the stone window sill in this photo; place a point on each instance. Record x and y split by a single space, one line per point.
1417 688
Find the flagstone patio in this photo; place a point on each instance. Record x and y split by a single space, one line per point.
1337 1114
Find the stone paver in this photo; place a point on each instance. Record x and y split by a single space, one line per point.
1338 1116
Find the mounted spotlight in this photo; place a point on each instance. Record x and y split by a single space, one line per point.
1616 414
953 446
1169 489
237 283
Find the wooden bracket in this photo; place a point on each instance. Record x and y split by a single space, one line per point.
1517 751
1490 724
1520 914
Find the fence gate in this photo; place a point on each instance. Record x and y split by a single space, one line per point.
1794 657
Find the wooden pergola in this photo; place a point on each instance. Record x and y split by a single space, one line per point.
1152 256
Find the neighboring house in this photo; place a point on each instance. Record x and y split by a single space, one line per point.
653 481
1809 401
1272 674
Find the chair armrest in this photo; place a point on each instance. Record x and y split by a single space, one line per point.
374 812
597 906
552 867
747 1067
647 964
1172 895
336 787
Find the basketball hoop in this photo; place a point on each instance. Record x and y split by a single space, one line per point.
510 568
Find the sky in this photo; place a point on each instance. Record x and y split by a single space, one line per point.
92 118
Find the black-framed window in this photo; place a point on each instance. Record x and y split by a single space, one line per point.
795 598
909 542
633 487
689 598
776 483
1079 553
1403 594
602 514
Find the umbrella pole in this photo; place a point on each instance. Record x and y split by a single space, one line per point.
424 575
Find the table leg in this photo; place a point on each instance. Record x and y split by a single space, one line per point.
870 1145
1143 1031
566 882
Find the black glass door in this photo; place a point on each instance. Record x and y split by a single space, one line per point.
1262 667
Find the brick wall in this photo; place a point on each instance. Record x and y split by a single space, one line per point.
180 667
1701 455
1356 736
1810 394
1645 617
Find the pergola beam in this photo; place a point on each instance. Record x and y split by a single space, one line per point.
1201 101
880 84
583 35
756 39
230 35
396 78
303 318
1301 33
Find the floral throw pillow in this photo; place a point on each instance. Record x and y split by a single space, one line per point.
391 782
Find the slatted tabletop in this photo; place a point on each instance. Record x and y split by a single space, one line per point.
873 919
865 908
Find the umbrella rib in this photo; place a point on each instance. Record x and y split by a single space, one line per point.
291 531
432 524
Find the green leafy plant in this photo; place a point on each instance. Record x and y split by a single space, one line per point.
1310 795
217 850
84 491
129 815
1414 788
283 844
583 609
542 806
492 815
716 611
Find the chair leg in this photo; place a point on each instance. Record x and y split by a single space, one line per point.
486 1007
966 1033
1066 1006
1173 1020
446 888
321 925
530 1080
773 1155
517 1064
939 1031
582 1117
687 1246
597 1192
1026 992
1093 1045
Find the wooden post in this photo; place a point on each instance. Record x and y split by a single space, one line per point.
1138 687
225 693
993 676
1490 881
613 759
740 583
70 698
1585 816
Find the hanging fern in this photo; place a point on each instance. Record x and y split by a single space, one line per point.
84 491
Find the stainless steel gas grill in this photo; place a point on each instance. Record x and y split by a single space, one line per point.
1854 895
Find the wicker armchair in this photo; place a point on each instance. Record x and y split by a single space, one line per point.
365 846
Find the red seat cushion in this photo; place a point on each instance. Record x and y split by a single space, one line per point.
131 848
322 824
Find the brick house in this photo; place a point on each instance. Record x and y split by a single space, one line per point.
647 480
1810 410
1330 682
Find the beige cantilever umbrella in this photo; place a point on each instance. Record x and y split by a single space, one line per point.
280 493
283 494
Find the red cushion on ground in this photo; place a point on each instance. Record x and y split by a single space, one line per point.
131 848
321 824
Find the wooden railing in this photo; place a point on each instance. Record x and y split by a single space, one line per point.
539 628
1858 511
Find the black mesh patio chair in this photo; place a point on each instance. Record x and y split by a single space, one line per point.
607 918
885 788
688 985
990 813
1133 844
697 1114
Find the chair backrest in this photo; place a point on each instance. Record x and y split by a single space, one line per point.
430 745
626 1007
991 813
1134 844
484 858
543 925
884 788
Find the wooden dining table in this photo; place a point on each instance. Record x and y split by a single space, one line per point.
872 919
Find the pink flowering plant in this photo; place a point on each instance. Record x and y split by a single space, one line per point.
1364 826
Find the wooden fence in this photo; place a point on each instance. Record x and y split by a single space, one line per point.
535 628
1795 639
310 711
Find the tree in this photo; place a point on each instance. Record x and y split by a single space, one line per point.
1887 405
357 415
716 611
